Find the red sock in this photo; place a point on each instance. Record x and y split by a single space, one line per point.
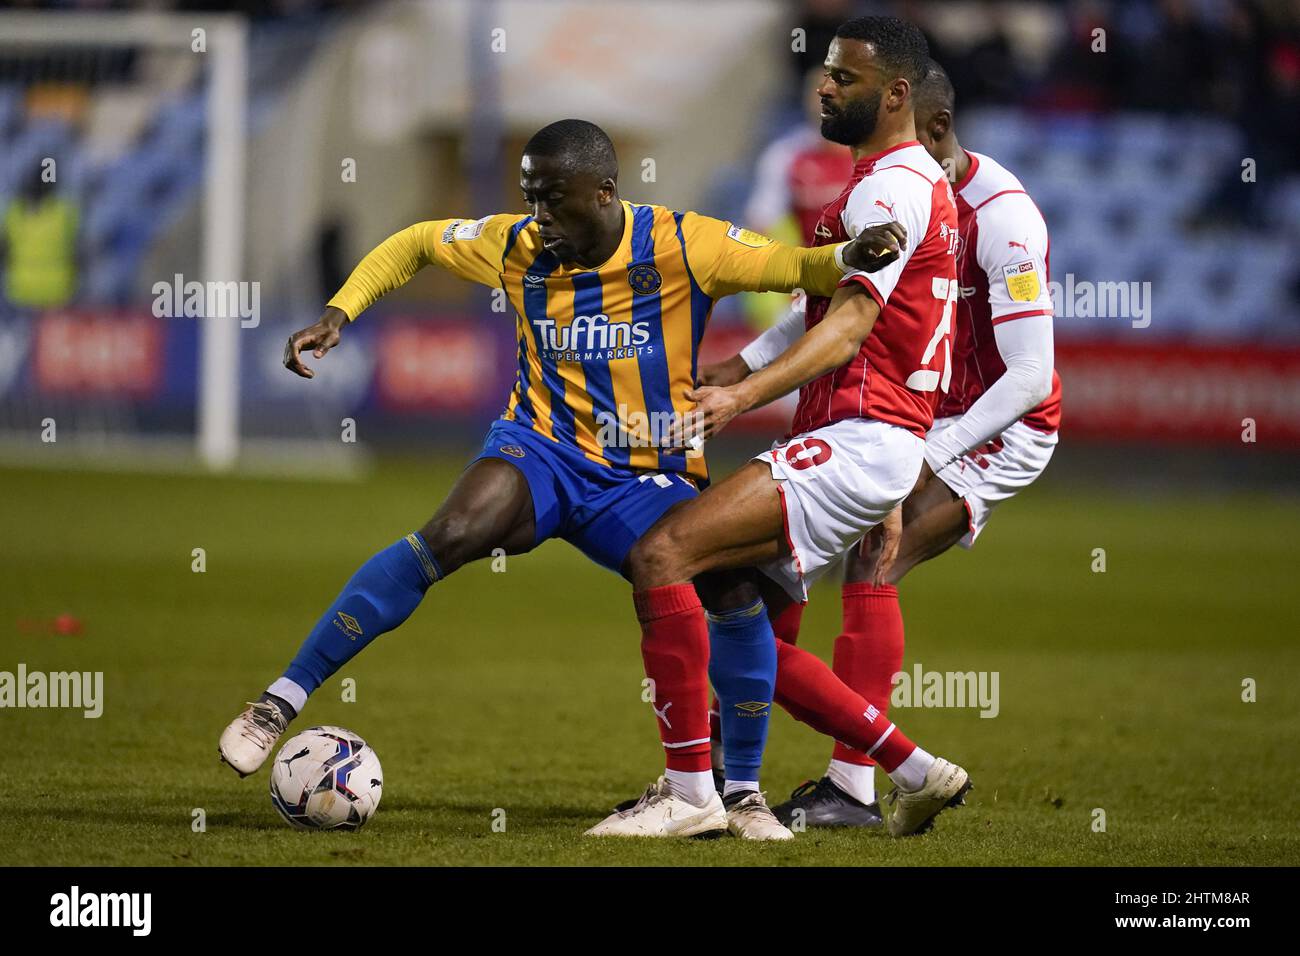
811 692
785 624
675 649
870 651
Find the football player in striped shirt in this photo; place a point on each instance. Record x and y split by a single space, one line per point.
612 299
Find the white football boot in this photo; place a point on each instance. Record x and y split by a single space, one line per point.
750 819
247 741
914 810
660 814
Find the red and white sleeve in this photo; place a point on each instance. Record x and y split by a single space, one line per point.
893 194
1012 249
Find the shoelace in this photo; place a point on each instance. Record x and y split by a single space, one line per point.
651 796
755 804
264 724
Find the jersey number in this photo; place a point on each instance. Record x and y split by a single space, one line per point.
924 379
807 453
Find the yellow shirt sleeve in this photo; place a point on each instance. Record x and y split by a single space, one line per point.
726 259
472 249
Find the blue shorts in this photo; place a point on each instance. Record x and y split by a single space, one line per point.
600 510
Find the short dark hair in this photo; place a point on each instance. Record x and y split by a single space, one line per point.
898 43
578 145
935 91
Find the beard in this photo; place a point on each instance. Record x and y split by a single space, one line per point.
855 123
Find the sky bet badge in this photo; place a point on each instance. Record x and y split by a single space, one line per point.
644 279
747 237
1022 281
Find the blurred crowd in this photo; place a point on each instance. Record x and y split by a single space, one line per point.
1153 104
252 8
1238 59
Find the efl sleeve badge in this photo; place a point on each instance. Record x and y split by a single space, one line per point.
1022 281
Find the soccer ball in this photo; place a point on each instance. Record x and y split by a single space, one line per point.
326 778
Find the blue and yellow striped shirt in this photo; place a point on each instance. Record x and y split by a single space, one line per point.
606 355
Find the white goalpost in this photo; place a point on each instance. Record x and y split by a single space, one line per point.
223 40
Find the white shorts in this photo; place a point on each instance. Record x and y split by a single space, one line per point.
985 476
837 482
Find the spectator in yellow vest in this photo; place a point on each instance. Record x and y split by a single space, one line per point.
40 247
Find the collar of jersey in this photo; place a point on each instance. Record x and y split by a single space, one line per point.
970 173
621 251
867 161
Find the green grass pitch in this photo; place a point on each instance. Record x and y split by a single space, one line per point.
520 691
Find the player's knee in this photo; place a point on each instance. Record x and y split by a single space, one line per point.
654 560
455 539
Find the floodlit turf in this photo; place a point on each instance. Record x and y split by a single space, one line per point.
520 691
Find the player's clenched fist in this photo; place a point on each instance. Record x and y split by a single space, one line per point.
876 247
320 338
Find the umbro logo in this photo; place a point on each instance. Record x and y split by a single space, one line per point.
350 624
533 278
753 708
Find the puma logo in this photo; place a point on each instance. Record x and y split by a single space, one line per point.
1011 244
288 762
888 207
663 714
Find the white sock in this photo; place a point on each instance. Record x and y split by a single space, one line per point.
693 786
733 786
857 781
288 690
910 774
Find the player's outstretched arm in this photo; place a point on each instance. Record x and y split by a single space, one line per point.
819 270
828 345
468 248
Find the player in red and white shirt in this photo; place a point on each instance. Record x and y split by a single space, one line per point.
871 367
993 434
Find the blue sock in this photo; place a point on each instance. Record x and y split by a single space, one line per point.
742 668
379 597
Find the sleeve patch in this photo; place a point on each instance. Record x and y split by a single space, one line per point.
1022 281
449 234
464 231
747 237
